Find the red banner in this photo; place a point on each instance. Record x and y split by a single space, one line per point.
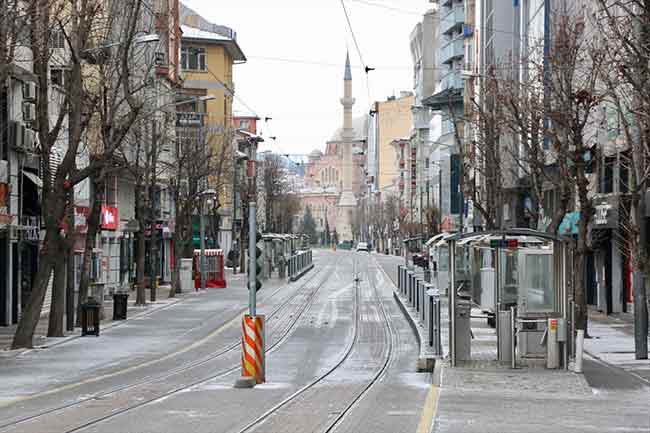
110 218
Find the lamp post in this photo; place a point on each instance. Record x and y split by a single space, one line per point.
206 196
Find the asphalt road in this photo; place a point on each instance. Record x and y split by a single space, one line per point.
341 357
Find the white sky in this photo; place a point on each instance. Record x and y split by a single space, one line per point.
303 99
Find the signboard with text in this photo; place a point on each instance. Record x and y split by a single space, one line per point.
110 218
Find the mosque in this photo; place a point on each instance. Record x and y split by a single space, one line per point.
335 180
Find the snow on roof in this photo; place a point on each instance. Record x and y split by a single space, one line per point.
194 33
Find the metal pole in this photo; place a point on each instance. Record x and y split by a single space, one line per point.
202 258
252 230
497 303
452 302
513 329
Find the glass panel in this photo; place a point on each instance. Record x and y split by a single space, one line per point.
443 263
538 278
509 280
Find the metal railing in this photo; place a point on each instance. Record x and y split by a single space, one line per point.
425 300
298 263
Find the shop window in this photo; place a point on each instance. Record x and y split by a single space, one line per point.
606 184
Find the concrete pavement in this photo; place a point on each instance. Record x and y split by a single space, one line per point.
486 397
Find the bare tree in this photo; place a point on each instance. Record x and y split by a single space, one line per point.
82 22
576 91
201 158
625 26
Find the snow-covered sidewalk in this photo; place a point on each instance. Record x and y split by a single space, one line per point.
613 342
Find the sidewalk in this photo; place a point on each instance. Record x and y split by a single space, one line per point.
613 342
159 336
40 335
483 396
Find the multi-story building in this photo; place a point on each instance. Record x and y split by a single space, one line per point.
423 42
19 191
208 53
448 101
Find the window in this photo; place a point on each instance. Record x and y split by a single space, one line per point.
244 124
110 197
56 77
193 58
57 39
607 175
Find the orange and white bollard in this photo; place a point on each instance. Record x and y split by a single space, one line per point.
253 348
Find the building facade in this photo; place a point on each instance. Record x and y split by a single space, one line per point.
208 53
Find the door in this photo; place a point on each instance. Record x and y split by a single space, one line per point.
608 275
4 279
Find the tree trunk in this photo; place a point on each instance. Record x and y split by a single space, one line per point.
57 308
69 264
27 324
639 290
176 280
93 222
140 298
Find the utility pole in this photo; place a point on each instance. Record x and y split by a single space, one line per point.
152 208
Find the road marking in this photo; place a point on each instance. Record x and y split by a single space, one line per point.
214 333
429 411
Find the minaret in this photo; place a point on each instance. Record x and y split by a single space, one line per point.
348 202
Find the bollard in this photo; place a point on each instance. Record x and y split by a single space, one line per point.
431 320
423 300
399 277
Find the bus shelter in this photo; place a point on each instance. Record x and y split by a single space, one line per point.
518 279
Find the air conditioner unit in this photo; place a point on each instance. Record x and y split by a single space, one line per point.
29 112
16 134
159 58
30 140
29 91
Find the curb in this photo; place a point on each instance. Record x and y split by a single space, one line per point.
425 362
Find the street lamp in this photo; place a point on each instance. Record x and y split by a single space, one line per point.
206 196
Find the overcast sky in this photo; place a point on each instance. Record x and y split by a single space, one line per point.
302 93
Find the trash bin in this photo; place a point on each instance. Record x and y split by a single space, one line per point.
120 306
463 329
90 317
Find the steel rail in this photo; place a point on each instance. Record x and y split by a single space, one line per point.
182 368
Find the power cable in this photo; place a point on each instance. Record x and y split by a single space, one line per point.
354 38
390 8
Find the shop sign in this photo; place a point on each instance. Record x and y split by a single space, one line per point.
606 215
5 218
81 219
110 219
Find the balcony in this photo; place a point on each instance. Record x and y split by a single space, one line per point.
453 21
452 81
455 49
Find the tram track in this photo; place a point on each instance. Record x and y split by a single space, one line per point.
346 355
291 320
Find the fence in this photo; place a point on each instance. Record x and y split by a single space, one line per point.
424 298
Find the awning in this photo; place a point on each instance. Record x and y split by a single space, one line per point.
31 176
569 224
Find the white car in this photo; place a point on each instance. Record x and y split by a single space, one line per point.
363 246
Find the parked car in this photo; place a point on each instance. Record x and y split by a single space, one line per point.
345 245
421 260
362 246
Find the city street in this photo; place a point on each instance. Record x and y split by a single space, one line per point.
340 357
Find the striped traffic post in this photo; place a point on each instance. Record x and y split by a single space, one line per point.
253 348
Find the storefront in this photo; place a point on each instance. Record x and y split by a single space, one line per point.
609 286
